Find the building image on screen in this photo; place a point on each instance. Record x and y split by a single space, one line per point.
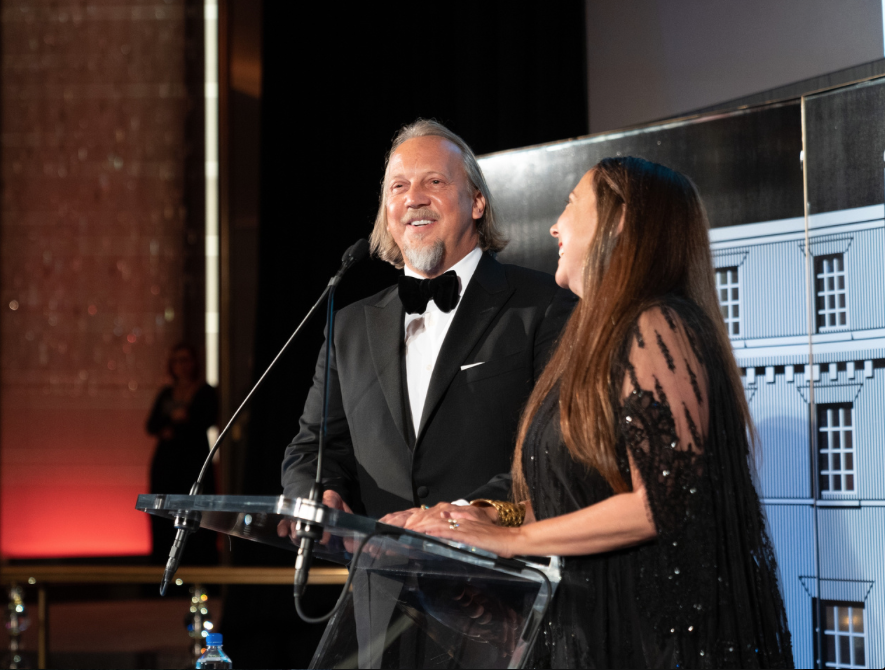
761 281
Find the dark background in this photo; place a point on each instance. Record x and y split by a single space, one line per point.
334 92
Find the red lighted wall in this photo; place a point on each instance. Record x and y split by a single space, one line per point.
91 220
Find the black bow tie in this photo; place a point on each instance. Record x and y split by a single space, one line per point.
443 290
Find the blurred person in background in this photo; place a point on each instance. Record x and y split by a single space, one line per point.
182 413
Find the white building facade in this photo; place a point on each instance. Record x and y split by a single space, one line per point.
818 402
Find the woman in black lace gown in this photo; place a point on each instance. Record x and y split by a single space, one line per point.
634 455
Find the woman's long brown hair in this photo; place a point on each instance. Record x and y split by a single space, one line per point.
663 248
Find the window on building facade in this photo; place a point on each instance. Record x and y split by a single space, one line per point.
844 635
831 292
729 287
835 443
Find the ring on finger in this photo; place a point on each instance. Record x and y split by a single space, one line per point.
453 524
424 507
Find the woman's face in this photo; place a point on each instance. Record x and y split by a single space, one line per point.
182 365
574 230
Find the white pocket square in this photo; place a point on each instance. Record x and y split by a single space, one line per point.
471 365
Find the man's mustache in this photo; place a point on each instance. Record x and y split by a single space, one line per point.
419 215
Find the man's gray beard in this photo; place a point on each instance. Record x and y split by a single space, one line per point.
427 258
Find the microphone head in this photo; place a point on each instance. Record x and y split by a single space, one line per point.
357 252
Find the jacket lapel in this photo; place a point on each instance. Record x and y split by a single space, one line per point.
486 294
384 323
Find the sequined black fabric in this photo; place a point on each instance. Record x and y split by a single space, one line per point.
705 592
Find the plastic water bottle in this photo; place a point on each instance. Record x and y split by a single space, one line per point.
214 656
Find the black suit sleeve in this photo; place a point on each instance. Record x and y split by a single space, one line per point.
339 462
546 335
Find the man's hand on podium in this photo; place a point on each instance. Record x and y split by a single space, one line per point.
330 499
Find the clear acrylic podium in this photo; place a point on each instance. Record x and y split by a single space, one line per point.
415 601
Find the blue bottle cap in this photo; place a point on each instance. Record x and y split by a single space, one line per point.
214 639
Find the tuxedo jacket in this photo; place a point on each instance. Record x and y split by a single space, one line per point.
507 322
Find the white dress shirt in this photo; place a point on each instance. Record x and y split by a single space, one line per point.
425 334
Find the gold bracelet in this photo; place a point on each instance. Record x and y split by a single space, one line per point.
509 514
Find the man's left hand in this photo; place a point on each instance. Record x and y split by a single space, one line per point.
400 518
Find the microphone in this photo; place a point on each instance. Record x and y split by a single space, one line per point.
187 522
310 532
354 254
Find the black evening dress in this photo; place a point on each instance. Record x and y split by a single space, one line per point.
176 464
704 593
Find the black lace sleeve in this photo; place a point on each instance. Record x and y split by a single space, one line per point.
708 584
664 419
664 423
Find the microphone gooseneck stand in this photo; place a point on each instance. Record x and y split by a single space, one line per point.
186 523
310 532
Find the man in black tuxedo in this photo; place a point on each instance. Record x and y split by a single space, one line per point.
428 378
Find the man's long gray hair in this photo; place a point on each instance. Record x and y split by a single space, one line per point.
490 238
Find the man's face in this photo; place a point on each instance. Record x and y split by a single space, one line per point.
431 207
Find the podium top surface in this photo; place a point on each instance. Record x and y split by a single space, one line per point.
256 518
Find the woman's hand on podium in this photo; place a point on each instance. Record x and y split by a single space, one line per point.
471 525
414 518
